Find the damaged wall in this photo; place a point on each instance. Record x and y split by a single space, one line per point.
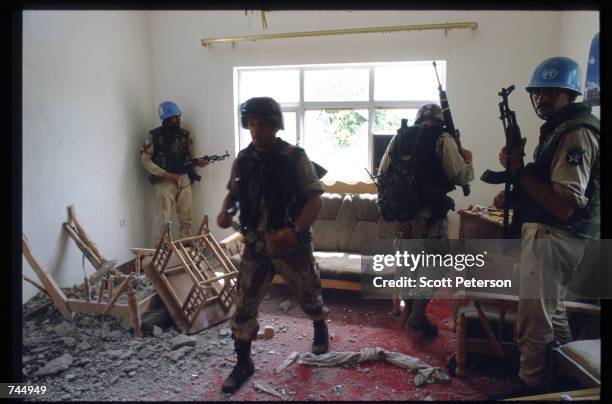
86 106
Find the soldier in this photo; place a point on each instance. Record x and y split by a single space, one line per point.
559 202
279 196
165 151
420 166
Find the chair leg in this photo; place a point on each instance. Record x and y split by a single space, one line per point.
461 346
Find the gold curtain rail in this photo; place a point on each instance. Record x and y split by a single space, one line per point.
397 28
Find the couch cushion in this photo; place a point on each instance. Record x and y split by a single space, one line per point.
324 235
587 353
330 206
365 206
341 266
362 236
346 220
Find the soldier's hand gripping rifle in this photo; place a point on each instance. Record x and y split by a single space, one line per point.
190 170
448 122
513 139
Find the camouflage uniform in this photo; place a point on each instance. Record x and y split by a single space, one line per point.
257 267
157 162
458 172
574 174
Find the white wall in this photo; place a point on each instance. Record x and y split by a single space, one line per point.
503 51
86 106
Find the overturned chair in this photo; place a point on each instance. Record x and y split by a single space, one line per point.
193 276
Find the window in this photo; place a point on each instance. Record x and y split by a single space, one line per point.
342 115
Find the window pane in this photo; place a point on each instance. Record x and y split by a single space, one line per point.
338 140
336 85
288 135
388 121
282 85
414 81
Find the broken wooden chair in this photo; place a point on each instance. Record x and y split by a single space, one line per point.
486 324
194 278
107 300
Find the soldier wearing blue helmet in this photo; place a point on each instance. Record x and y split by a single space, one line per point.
164 153
559 200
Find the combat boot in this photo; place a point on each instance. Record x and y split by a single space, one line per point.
418 321
320 343
243 370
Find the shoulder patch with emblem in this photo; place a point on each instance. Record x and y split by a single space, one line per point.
574 155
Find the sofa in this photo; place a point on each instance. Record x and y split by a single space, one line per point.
347 222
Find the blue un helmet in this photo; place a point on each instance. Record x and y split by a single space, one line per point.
557 72
168 109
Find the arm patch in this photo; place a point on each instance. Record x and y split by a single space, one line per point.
574 155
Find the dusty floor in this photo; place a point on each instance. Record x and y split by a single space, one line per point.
97 358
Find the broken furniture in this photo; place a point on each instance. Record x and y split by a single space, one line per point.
345 226
193 277
86 244
477 222
109 298
581 359
486 325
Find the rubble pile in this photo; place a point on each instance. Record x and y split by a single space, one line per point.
96 357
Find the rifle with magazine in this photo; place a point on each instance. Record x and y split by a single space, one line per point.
513 139
189 169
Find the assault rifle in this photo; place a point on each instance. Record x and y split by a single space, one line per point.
189 169
448 122
513 139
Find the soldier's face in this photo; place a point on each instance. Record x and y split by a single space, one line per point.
174 121
547 101
262 133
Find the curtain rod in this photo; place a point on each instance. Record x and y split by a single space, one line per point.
447 26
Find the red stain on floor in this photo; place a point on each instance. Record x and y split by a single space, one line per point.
355 323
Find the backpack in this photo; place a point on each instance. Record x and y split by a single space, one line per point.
399 196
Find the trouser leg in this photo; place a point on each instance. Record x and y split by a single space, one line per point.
165 193
254 280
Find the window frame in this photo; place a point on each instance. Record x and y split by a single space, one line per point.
302 106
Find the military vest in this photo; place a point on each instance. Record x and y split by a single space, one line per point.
415 178
170 149
584 222
271 176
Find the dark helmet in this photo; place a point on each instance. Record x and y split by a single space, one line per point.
429 111
264 107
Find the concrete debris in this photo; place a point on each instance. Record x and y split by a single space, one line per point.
157 332
285 306
63 329
178 354
69 341
183 340
55 366
266 388
266 333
